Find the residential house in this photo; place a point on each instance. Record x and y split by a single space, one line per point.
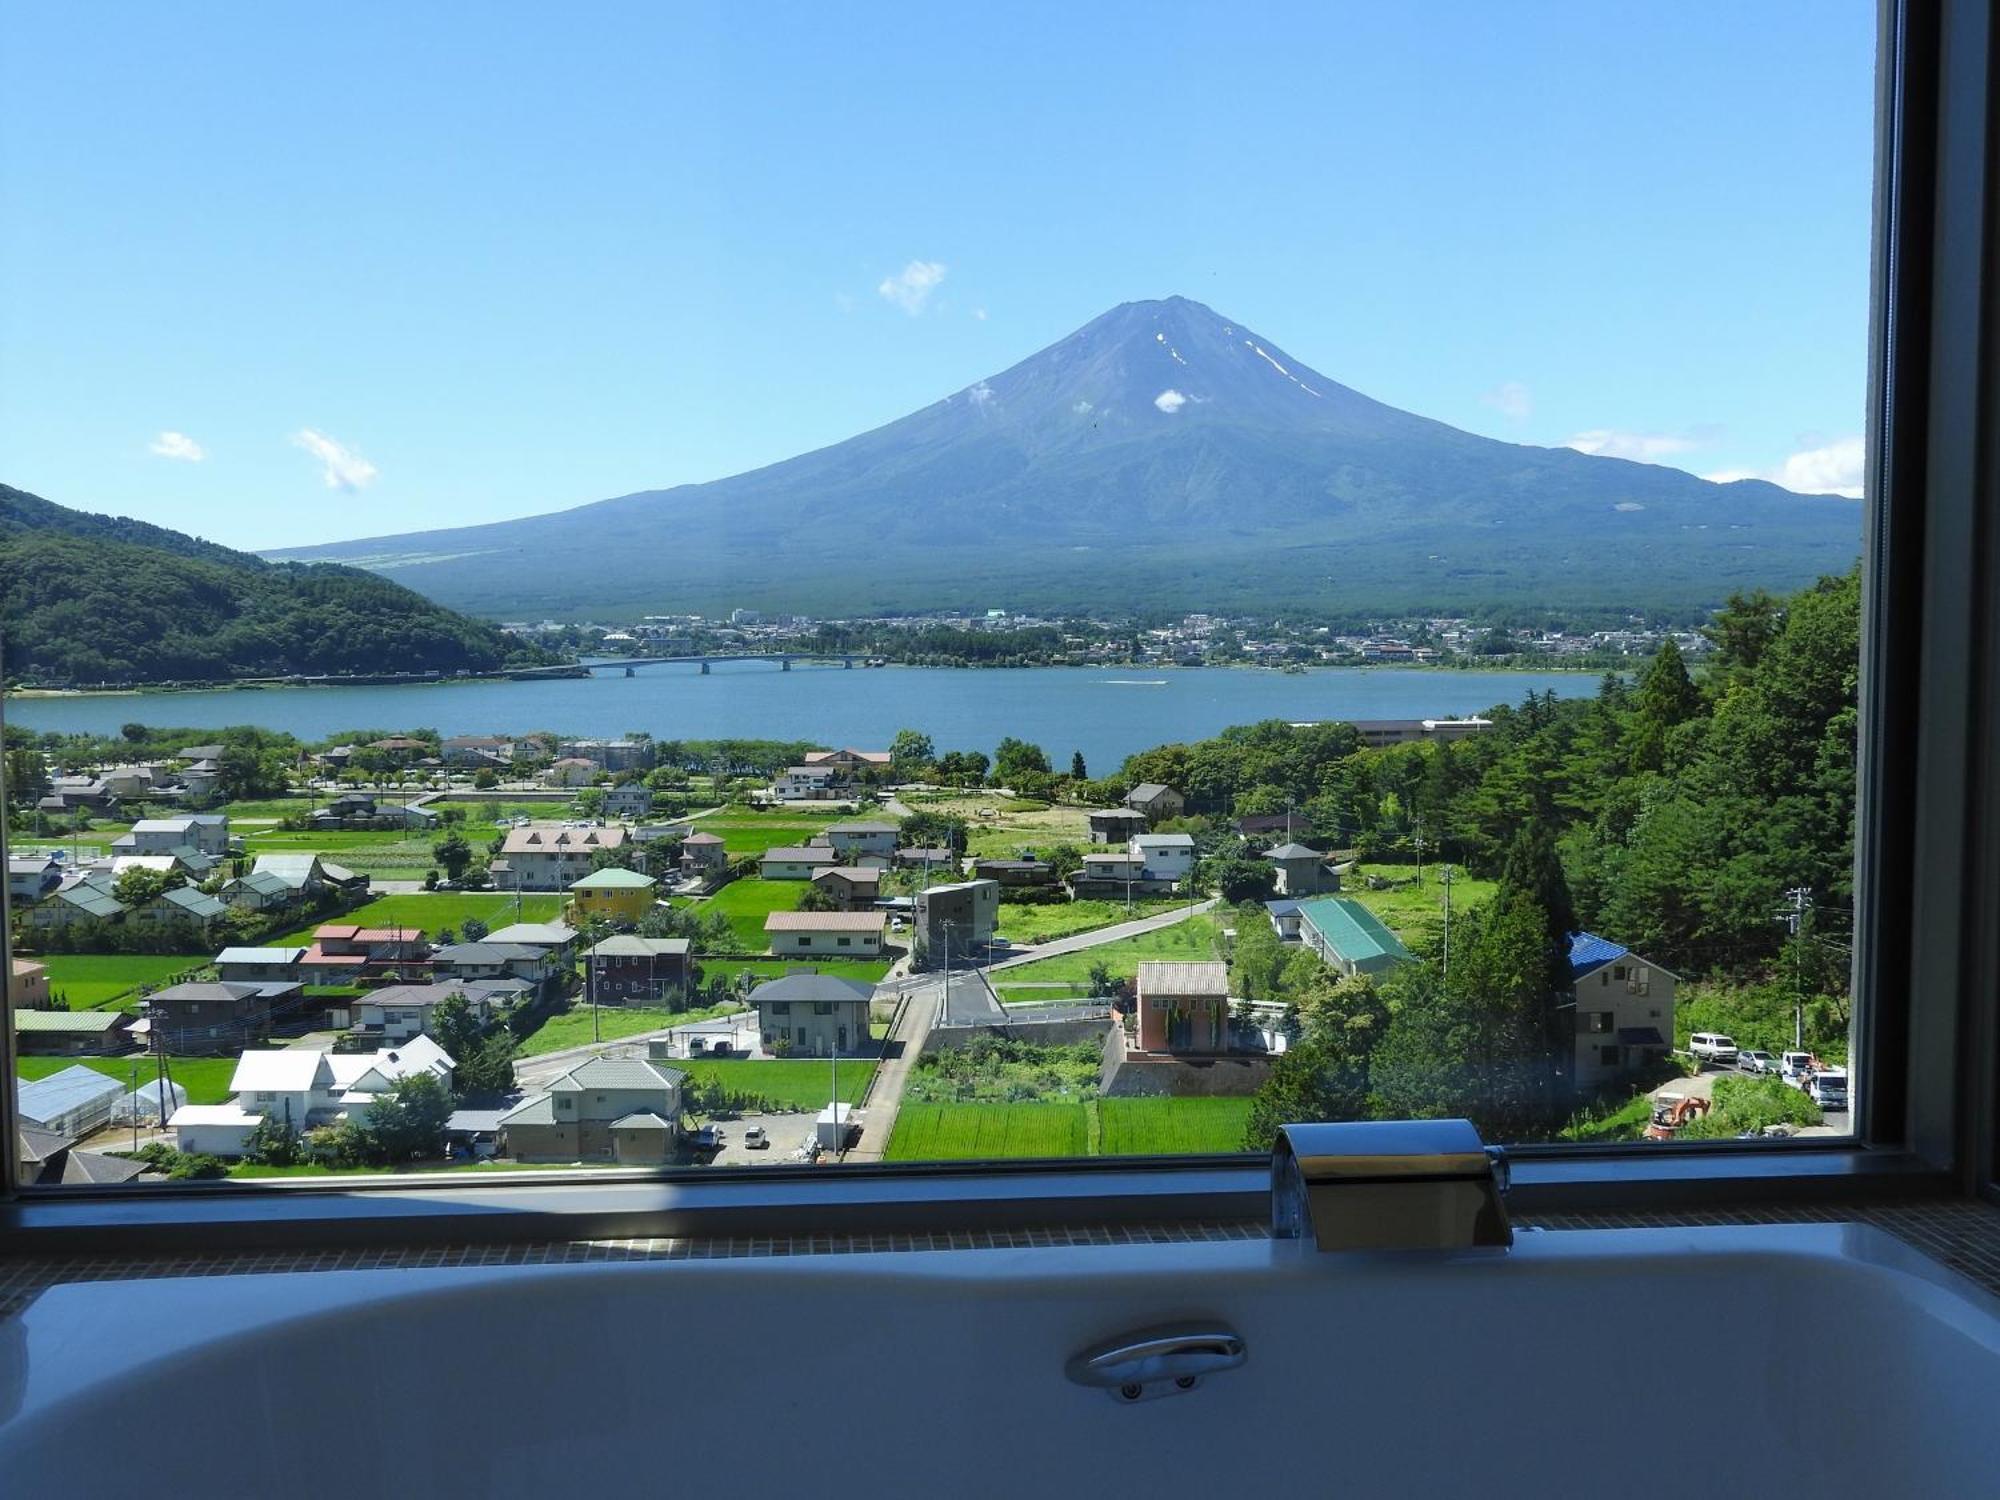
208 832
306 1088
851 840
397 1012
71 1033
28 985
184 904
853 887
203 780
611 895
630 801
1157 802
1167 857
478 751
47 1159
956 919
919 857
345 954
606 1109
796 862
258 891
556 940
487 959
807 784
206 1017
1349 937
1302 871
1116 825
1014 872
1183 1007
703 853
273 965
571 770
1111 874
71 1103
548 856
1624 1011
358 810
813 1015
191 864
849 764
30 877
303 874
85 898
632 970
401 749
830 934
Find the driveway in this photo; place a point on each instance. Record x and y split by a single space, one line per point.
787 1133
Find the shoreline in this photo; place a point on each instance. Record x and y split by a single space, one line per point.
1483 668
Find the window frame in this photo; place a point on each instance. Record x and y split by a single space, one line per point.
1927 894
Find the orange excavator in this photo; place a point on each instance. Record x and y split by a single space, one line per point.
1671 1112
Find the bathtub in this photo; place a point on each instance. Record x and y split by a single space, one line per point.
1823 1360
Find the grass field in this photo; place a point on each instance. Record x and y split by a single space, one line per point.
972 1132
206 1079
866 970
96 981
997 826
747 902
1037 924
788 1083
1170 1127
1415 913
744 831
1186 941
433 912
573 1028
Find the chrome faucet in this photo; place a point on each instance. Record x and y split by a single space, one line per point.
1389 1185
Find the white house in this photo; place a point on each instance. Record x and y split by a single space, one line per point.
1164 856
807 783
864 837
796 862
826 934
208 832
549 857
303 1087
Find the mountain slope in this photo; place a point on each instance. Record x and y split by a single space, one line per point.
1160 457
91 598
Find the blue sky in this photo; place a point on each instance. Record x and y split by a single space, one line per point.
284 274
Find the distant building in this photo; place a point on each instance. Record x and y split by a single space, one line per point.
1376 733
828 934
210 1017
631 801
796 861
959 919
1156 801
808 784
606 1109
611 895
866 837
853 887
28 986
548 856
1014 872
1116 825
631 970
1183 1007
1302 871
71 1033
1167 857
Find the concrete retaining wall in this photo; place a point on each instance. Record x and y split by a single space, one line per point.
1124 1076
1040 1033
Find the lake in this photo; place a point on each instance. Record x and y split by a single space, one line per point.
1107 713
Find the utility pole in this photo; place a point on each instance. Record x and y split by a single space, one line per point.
1798 901
1446 877
1418 840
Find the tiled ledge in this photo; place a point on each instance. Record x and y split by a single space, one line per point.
1959 1233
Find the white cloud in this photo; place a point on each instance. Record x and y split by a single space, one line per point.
979 313
1082 408
911 287
344 469
1511 399
177 445
1170 401
1646 447
981 393
1835 468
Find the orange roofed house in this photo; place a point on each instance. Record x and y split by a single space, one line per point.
341 954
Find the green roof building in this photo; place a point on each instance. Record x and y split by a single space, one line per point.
1349 937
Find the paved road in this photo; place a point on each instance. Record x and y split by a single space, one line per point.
1077 942
893 1073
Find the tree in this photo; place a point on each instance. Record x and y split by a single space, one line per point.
408 1122
1076 770
471 930
911 754
816 897
1015 760
934 830
1310 1080
1241 879
485 779
274 1143
453 853
138 885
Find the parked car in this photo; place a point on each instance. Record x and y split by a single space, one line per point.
710 1138
1712 1049
755 1138
719 1047
1828 1089
1756 1060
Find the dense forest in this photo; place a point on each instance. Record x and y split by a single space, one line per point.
104 599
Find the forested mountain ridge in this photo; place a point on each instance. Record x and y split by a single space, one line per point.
103 599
